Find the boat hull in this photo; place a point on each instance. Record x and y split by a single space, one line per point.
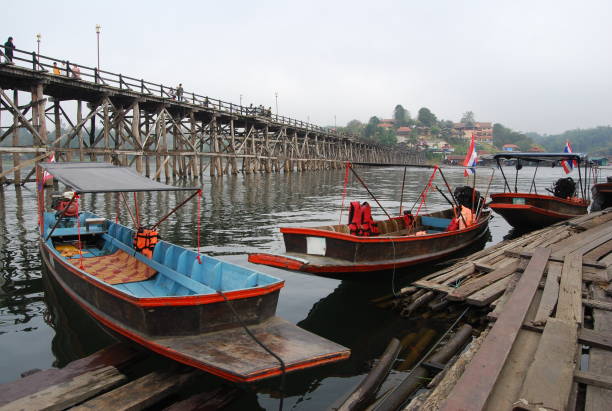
526 212
343 253
602 196
214 351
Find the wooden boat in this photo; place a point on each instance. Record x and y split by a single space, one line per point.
187 306
532 210
332 249
602 195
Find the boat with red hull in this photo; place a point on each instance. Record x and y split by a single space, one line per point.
187 306
333 249
365 245
531 210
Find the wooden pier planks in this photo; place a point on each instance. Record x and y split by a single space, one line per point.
569 304
550 375
597 397
115 356
464 291
473 388
550 295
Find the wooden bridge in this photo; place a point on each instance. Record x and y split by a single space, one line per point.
131 121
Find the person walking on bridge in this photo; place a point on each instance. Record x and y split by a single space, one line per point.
8 50
179 92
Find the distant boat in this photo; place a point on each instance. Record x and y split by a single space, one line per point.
602 195
397 243
187 306
532 210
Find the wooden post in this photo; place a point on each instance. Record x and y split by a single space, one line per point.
136 132
79 133
106 131
16 159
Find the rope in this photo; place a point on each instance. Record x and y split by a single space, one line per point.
137 215
199 218
78 217
262 345
424 194
346 176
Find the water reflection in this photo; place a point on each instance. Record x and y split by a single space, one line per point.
240 214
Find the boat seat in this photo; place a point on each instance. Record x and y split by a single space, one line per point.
435 222
167 272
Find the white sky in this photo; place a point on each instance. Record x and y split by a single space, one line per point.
537 65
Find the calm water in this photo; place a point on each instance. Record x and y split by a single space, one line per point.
41 328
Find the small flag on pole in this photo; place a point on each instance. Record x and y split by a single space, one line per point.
471 158
568 165
46 175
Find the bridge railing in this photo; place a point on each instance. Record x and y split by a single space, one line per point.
80 72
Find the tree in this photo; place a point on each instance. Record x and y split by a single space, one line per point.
354 127
426 117
385 136
372 126
401 116
503 135
468 118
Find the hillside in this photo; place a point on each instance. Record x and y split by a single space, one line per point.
594 141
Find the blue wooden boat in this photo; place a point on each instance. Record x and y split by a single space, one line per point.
187 306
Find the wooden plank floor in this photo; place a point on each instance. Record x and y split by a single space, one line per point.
548 346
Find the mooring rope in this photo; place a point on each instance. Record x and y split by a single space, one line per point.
262 345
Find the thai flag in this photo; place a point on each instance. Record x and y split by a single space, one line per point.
471 158
568 166
46 175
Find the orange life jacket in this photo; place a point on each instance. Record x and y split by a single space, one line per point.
145 240
360 220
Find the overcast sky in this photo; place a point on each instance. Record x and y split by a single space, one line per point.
532 65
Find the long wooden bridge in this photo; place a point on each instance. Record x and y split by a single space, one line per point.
160 131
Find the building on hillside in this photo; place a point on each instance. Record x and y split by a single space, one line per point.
454 159
403 134
536 149
388 120
510 147
385 125
482 131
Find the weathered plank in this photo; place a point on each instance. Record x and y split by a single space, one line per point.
488 294
576 241
529 254
602 305
598 398
597 380
599 252
115 355
140 393
474 387
207 401
431 285
549 378
514 278
598 339
569 305
66 394
498 273
550 295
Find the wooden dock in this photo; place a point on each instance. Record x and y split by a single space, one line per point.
548 343
111 379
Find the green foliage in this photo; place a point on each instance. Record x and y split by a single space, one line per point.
355 127
594 141
371 127
503 135
426 117
468 118
401 116
385 136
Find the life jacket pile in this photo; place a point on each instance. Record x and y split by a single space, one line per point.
360 220
145 240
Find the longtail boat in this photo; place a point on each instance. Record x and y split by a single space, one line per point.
172 300
532 210
602 195
397 241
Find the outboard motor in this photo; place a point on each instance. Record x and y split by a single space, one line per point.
464 196
564 188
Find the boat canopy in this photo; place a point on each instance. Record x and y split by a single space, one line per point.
541 156
85 177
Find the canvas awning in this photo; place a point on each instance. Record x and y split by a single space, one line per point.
541 156
104 178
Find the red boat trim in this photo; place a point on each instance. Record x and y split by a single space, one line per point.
177 356
530 208
581 203
276 261
286 261
167 301
378 239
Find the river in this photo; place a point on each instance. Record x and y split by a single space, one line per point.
41 328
